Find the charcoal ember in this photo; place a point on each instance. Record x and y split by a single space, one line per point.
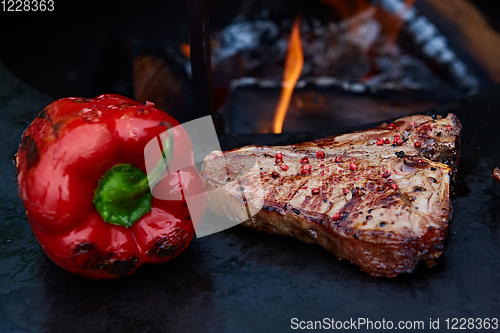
401 71
355 48
340 49
334 54
258 48
255 48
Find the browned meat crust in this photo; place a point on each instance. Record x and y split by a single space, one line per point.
384 207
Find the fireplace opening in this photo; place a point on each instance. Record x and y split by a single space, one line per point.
324 65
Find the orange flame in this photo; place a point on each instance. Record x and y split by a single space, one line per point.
186 50
293 67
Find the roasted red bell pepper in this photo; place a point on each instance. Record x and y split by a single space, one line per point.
81 175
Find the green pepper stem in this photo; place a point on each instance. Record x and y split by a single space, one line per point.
160 168
123 194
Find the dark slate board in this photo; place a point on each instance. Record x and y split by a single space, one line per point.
241 280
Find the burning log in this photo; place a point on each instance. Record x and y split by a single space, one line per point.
480 39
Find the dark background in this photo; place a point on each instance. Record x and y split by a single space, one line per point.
84 48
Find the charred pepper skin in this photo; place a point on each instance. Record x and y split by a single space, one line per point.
63 155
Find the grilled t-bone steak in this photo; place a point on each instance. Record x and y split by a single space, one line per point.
379 198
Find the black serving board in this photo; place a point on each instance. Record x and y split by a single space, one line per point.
241 280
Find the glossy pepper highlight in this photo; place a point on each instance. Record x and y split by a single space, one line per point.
82 178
